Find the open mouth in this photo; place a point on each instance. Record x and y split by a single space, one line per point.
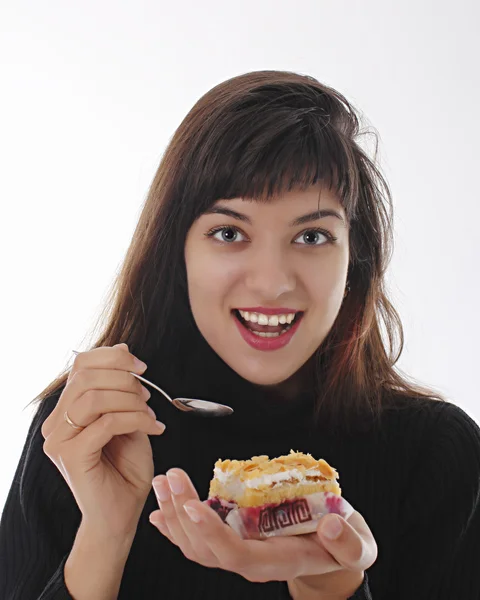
267 331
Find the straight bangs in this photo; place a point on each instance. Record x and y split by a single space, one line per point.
259 151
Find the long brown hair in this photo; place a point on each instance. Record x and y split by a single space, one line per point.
258 135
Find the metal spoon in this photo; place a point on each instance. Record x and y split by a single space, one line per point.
205 408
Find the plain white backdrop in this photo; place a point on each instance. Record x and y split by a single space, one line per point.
91 93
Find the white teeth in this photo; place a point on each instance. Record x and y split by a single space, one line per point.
272 320
262 320
270 335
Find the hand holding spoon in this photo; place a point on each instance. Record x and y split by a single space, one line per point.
205 408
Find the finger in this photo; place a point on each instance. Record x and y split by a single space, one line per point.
82 453
88 380
95 403
116 358
182 491
157 519
83 450
350 542
100 379
105 357
169 512
227 549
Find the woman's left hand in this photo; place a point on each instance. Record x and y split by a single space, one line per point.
308 560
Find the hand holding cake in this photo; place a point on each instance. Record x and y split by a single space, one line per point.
252 520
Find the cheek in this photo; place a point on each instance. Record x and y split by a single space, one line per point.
329 293
325 283
325 291
210 283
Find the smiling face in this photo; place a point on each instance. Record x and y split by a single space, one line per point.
245 255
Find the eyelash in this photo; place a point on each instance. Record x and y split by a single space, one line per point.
331 238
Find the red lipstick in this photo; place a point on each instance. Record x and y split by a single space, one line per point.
263 343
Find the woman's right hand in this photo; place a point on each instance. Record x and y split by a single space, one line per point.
108 465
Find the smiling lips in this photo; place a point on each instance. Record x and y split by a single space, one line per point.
267 329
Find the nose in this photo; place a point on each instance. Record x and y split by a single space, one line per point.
268 275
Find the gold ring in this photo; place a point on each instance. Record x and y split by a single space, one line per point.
71 423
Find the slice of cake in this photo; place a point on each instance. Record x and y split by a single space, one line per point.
262 481
287 495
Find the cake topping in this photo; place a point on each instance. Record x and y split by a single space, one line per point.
261 465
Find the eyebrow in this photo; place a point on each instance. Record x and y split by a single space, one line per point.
313 216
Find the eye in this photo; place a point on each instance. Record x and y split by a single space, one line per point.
225 234
313 237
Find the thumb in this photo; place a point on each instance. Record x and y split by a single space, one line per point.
350 542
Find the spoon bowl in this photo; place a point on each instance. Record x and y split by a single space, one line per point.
205 408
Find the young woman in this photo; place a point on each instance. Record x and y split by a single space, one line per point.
264 203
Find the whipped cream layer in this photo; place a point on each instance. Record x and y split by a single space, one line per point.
267 479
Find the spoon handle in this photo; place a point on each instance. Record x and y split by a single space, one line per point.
144 381
153 385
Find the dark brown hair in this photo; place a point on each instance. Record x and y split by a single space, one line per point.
255 136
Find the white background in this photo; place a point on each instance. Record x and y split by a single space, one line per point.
91 93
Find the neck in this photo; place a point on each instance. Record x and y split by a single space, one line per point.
298 383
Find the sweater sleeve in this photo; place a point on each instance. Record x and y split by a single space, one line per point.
438 552
362 593
38 525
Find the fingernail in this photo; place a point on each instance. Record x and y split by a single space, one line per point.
151 412
175 483
161 490
146 393
193 514
139 365
332 528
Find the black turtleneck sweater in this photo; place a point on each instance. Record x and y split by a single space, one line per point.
415 479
